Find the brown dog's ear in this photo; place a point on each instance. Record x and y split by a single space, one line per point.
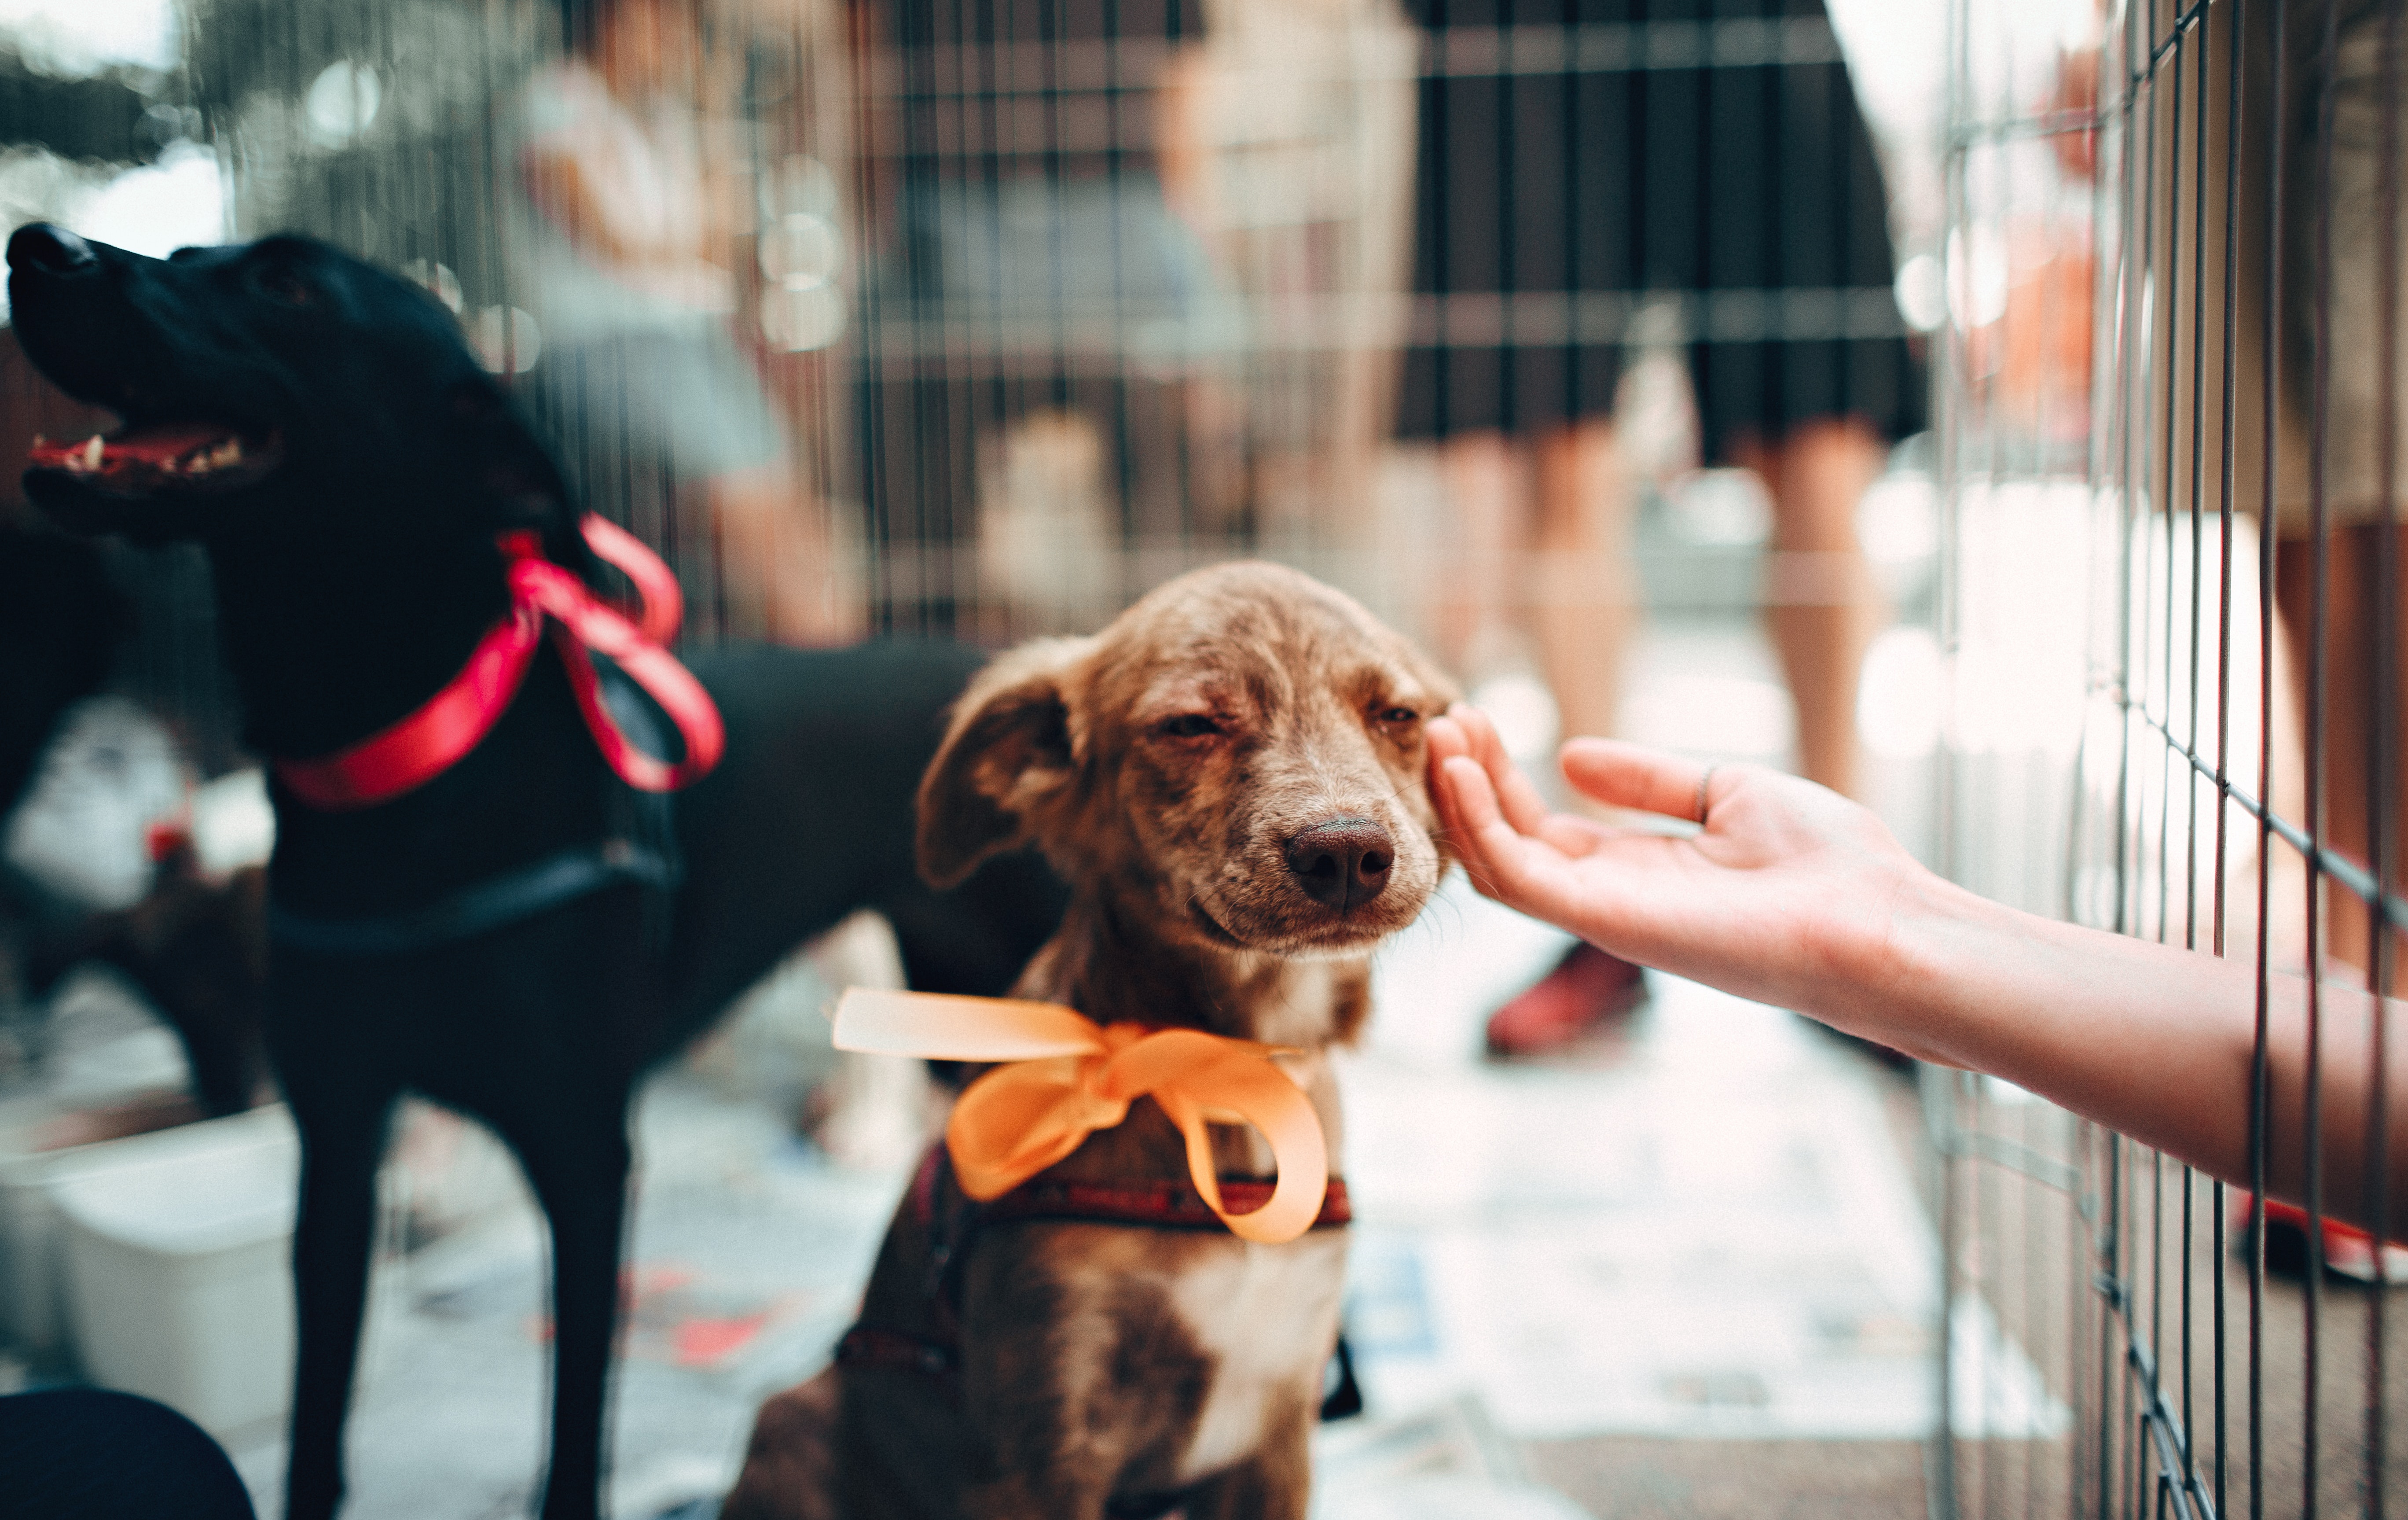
1007 752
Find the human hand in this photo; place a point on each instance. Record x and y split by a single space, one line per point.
1787 895
1792 896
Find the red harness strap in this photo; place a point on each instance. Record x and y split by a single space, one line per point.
953 1220
937 1202
1157 1205
455 719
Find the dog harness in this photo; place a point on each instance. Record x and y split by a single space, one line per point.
953 1220
1064 1078
489 904
431 740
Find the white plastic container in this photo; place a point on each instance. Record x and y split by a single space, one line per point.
178 1264
38 1136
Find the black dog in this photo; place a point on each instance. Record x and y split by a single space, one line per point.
320 427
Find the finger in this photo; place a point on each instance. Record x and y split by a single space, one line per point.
1475 824
1573 836
1444 791
1454 794
1447 739
1479 734
1504 863
1524 807
1633 776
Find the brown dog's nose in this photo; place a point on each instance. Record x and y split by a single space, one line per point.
38 248
1343 862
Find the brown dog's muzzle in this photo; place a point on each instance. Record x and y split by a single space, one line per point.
1341 863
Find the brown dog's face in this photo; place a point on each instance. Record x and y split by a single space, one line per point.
1239 758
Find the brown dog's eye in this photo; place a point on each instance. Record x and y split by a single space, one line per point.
1399 715
1191 725
283 286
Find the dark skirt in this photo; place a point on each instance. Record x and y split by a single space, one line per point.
1598 175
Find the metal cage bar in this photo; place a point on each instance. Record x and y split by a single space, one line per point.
2234 786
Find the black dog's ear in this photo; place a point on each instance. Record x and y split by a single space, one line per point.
1007 753
513 477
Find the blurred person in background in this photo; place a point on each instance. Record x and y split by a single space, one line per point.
1746 198
1042 316
2339 572
614 222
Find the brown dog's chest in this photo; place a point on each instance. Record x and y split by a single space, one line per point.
1152 1358
1194 1346
1264 1318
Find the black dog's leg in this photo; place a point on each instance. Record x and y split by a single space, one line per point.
578 1169
341 1142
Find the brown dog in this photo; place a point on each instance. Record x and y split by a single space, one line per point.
1231 777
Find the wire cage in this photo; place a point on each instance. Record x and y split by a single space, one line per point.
923 342
2168 420
981 317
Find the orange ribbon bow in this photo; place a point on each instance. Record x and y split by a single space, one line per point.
1065 1077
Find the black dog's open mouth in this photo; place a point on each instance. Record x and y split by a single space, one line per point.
157 458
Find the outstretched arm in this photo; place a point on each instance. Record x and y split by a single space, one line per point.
1794 896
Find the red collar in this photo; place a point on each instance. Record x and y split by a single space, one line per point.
456 719
953 1220
1153 1205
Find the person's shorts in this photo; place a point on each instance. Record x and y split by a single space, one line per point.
1085 277
682 403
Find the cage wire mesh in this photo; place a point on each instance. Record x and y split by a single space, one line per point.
2170 436
981 316
876 317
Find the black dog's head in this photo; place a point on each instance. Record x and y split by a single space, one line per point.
268 385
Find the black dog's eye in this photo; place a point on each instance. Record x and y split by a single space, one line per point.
1191 725
1399 715
283 286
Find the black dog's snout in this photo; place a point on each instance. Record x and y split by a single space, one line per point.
1343 864
40 249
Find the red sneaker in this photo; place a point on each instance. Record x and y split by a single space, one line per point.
1586 988
2348 1251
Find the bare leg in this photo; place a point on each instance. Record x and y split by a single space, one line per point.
1821 603
1475 596
2284 789
1584 592
1584 601
782 568
2350 709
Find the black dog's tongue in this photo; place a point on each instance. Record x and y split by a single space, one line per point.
154 454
